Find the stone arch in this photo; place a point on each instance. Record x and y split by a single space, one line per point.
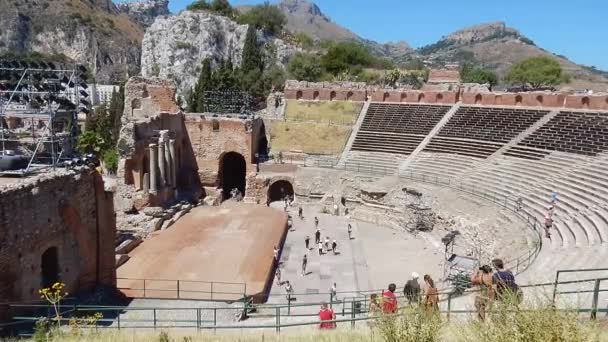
315 95
279 189
232 173
49 267
539 100
385 96
421 97
332 95
215 125
349 96
439 97
585 102
403 97
298 95
518 100
478 99
498 100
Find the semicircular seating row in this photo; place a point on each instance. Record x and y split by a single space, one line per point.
513 152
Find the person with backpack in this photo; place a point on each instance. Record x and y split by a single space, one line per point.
507 290
389 300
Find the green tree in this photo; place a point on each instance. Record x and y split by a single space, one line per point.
537 72
252 54
222 7
391 77
305 67
264 17
474 74
204 83
303 40
342 57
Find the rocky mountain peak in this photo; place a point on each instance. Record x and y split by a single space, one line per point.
144 12
303 8
481 32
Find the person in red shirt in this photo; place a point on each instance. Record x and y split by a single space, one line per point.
389 300
326 314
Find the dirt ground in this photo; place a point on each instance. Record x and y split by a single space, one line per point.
229 245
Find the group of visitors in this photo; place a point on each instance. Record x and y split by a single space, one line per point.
427 296
499 285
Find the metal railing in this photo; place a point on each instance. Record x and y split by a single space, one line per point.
350 311
182 289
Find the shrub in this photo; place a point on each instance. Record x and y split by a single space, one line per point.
413 325
264 17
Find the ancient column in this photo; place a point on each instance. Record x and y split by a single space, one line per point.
146 183
168 165
153 166
173 163
161 163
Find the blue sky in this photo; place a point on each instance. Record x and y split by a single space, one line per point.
577 30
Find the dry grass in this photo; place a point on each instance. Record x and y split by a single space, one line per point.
340 112
307 137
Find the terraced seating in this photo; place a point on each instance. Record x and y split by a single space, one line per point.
396 128
479 132
575 132
490 124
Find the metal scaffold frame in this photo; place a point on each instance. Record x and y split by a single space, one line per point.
46 95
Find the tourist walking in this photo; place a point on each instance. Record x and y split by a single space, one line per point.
300 212
325 315
320 248
316 222
350 231
317 236
389 300
548 225
484 297
327 243
411 290
288 291
304 263
334 245
431 296
307 241
277 273
333 290
507 290
276 254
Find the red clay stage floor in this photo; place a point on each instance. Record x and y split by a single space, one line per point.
229 245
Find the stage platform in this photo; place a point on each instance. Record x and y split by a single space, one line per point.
215 252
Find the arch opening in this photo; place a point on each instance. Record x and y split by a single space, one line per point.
403 97
49 263
349 96
332 96
585 102
421 97
232 173
315 95
518 100
539 100
498 100
298 95
385 97
279 189
478 99
439 97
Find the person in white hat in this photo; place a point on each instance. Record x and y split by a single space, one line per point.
412 289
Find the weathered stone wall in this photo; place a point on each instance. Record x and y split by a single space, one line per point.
146 97
68 210
469 95
230 135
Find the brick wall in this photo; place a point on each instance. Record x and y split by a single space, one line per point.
68 210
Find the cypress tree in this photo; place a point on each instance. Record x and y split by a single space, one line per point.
252 54
203 84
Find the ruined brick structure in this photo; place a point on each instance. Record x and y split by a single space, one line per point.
359 92
58 226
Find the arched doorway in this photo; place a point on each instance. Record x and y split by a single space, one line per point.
232 172
421 97
349 96
585 102
439 98
539 100
478 99
385 97
498 100
298 95
278 190
403 97
315 95
49 267
332 96
518 100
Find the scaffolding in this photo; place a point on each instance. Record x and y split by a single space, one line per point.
39 104
227 102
